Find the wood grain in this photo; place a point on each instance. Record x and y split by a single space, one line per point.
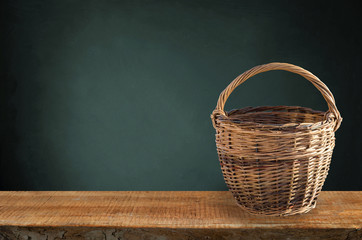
169 215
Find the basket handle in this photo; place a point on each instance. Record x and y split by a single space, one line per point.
326 93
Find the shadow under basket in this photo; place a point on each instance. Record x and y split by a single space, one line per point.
275 159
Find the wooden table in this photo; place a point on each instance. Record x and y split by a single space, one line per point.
168 215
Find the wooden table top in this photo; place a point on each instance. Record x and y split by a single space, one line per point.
166 209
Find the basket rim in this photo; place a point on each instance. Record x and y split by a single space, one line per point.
328 121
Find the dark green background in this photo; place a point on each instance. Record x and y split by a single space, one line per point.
116 95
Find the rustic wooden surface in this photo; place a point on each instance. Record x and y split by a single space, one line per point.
169 215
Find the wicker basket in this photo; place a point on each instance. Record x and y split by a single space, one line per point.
275 159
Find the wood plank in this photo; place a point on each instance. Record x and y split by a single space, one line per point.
171 214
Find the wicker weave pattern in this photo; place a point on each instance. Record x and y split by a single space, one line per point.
275 159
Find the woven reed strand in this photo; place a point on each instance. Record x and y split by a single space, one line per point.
275 159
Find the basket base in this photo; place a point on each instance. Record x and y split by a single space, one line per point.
285 213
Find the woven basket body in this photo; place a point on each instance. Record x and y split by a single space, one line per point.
275 159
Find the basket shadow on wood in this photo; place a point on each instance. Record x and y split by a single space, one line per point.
275 159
